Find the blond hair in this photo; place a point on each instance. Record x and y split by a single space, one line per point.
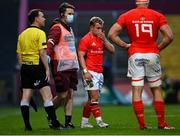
95 20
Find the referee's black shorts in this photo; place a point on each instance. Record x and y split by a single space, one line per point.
33 76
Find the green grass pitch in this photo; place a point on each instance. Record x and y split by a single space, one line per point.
121 119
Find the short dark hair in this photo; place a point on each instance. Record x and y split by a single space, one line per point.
64 6
32 14
95 20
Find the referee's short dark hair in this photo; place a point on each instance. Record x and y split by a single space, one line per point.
63 7
32 14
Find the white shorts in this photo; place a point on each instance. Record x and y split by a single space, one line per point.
142 65
97 81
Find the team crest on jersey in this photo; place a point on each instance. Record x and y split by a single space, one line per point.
93 44
142 18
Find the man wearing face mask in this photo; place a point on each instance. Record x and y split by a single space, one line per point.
64 61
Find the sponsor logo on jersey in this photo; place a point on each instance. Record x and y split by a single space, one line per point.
93 44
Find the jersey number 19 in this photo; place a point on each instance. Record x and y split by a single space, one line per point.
144 28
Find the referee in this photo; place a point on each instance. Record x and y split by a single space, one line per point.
35 72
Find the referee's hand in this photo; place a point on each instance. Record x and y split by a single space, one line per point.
47 75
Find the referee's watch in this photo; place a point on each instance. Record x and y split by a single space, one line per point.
85 71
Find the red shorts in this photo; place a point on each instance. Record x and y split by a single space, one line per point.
64 80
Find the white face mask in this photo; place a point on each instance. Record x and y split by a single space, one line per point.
70 18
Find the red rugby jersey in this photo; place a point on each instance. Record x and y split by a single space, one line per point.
93 46
142 25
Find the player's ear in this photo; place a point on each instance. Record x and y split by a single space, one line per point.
91 27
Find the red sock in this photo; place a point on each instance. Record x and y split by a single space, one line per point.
159 109
86 110
139 111
95 109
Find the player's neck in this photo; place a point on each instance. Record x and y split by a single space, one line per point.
142 5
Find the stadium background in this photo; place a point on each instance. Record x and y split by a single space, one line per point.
117 86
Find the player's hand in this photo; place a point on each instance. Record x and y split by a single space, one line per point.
102 35
158 46
127 45
87 76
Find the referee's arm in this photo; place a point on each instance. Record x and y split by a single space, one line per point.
18 51
43 57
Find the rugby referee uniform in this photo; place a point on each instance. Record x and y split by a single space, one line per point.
35 70
32 71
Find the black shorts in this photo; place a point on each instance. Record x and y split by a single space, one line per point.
33 76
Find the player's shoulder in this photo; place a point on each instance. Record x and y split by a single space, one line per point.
86 37
128 13
131 11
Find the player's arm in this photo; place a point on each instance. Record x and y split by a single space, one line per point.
113 34
107 44
167 36
81 55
